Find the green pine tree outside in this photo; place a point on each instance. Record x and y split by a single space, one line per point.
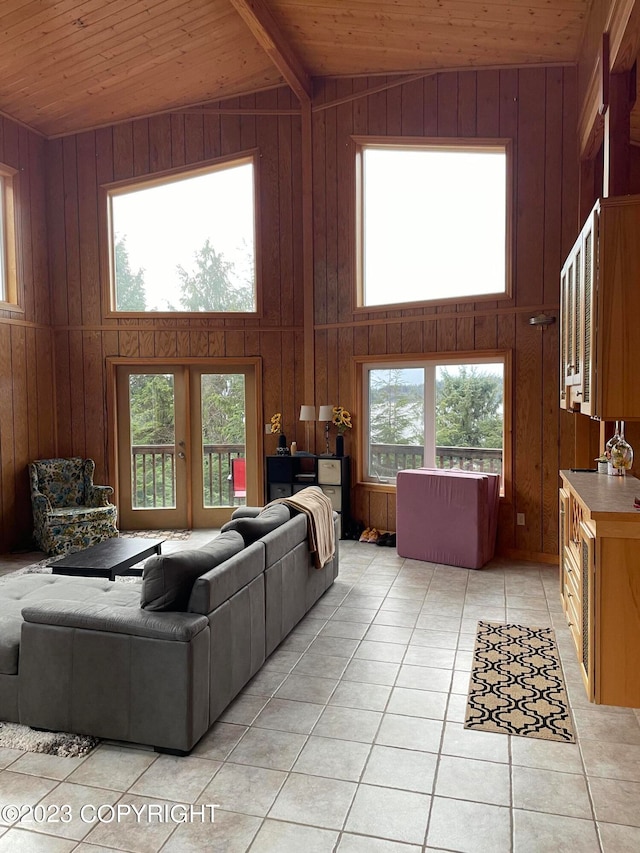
468 408
210 287
130 286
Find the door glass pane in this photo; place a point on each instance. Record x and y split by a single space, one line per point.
223 439
470 416
396 421
153 437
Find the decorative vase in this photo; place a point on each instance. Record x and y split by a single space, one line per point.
613 470
339 444
282 449
622 453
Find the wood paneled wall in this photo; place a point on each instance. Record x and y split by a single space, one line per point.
27 400
77 167
537 109
534 107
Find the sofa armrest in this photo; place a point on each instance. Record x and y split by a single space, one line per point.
40 502
180 627
99 495
219 584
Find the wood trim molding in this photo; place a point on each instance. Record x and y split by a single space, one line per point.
307 253
622 28
259 18
623 24
591 117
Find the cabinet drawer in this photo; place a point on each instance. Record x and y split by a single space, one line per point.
329 471
574 608
335 496
279 490
571 575
575 625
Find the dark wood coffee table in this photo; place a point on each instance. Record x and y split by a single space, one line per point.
108 558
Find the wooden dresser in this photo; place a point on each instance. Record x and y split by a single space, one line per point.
600 582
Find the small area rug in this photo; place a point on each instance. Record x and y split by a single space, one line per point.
15 736
156 534
516 684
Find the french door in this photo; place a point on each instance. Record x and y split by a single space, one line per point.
187 443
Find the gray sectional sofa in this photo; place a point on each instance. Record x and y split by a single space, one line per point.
82 655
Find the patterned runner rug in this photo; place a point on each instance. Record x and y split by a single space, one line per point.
516 684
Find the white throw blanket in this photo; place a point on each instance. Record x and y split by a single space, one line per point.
320 531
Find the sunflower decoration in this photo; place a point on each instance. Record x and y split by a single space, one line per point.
276 423
341 419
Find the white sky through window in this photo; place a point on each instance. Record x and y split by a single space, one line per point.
434 224
167 224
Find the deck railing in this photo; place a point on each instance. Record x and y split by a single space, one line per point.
388 459
153 468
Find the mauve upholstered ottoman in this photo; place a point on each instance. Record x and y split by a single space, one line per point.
447 516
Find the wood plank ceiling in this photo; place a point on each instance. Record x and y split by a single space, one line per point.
74 64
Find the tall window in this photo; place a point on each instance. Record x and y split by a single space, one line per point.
8 269
443 413
185 242
432 221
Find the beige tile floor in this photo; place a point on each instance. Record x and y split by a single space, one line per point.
350 739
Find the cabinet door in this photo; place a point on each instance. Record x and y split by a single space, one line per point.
585 351
564 533
567 333
587 579
617 393
578 291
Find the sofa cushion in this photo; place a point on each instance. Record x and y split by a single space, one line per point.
19 591
168 579
252 529
246 511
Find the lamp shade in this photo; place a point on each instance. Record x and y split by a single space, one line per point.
307 413
326 413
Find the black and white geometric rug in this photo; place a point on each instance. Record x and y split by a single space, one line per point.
517 685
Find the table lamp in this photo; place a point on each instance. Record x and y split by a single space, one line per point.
326 414
307 414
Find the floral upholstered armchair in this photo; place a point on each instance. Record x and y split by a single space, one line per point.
69 512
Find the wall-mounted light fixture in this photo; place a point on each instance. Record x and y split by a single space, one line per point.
541 320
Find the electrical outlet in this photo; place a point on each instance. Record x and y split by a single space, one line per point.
267 429
521 519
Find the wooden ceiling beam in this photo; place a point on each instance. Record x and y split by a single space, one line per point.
258 17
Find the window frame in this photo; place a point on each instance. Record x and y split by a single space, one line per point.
107 252
9 279
363 364
410 143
